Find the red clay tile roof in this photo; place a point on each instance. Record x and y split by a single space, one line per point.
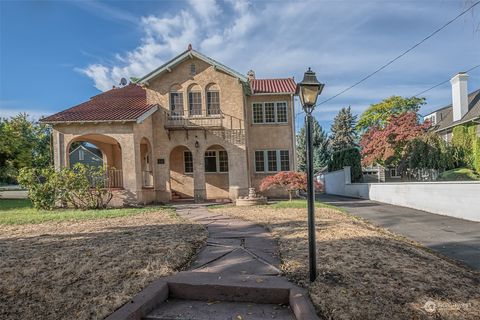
273 85
118 104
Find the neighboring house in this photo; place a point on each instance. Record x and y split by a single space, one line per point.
192 128
87 155
464 109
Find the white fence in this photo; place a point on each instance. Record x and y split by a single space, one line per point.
460 199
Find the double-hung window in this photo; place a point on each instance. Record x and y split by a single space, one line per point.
272 161
270 112
213 103
216 161
176 103
195 103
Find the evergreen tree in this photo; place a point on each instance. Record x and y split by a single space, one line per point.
343 134
321 150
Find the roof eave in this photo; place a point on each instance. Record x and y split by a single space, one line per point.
458 123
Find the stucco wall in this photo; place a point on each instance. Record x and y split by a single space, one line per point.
272 136
456 199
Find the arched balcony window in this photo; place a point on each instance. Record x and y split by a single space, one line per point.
213 99
176 100
194 100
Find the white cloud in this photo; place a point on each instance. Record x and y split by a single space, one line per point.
341 41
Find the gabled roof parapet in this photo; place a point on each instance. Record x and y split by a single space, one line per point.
188 54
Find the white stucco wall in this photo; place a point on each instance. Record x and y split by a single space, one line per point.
456 199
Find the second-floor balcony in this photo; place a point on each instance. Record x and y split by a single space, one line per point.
180 121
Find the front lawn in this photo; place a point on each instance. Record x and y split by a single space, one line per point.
21 212
84 264
366 272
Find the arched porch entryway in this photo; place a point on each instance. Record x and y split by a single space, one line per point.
146 163
181 173
83 149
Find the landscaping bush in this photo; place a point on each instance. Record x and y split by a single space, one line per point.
459 174
467 146
289 181
83 187
430 152
348 157
42 186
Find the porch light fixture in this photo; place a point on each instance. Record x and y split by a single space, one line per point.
197 145
309 90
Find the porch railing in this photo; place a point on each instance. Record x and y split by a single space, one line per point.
115 178
147 178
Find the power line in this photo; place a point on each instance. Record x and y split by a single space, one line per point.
401 55
443 82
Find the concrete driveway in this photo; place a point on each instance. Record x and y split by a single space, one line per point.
453 237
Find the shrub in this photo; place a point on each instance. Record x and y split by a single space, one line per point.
430 152
348 157
42 186
83 187
289 181
467 146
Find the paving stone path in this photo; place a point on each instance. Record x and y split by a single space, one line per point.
237 251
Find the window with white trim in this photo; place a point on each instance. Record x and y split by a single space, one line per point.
195 103
258 113
269 112
188 162
213 103
272 161
394 173
216 161
282 112
176 103
81 155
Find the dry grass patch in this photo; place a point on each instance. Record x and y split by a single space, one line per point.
366 272
86 269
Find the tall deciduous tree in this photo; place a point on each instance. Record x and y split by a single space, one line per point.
378 114
321 149
343 134
23 143
388 145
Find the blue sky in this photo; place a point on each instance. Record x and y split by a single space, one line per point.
56 54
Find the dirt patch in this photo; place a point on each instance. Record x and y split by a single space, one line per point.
366 272
87 269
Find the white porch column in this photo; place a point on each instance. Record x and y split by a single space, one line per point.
59 150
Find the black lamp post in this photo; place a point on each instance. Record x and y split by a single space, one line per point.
309 90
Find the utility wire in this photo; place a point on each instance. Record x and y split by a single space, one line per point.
443 82
401 55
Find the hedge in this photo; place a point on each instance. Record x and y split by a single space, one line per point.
465 139
347 157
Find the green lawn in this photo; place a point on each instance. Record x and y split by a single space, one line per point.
22 212
460 174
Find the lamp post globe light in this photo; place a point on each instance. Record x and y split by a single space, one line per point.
309 90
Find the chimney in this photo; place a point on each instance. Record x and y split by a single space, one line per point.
251 75
459 95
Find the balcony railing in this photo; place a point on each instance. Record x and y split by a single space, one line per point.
176 121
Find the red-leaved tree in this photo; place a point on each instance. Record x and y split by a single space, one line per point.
289 181
388 146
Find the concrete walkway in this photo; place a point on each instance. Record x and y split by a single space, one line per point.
235 276
456 238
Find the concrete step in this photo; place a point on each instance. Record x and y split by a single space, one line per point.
181 309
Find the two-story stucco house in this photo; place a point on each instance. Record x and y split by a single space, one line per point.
193 128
